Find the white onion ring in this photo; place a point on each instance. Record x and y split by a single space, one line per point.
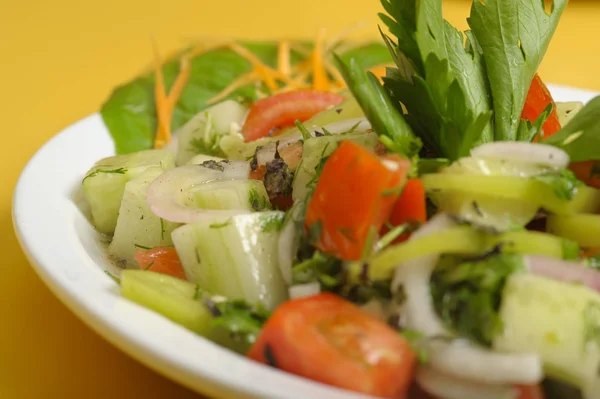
467 362
304 290
446 387
462 359
534 153
166 194
561 270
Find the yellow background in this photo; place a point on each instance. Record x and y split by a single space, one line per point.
59 60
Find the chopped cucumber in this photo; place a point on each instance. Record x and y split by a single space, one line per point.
104 183
169 296
137 227
567 110
559 321
527 190
585 229
248 195
236 258
317 148
202 134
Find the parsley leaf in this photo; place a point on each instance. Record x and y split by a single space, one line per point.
467 294
563 182
514 36
580 138
441 83
241 320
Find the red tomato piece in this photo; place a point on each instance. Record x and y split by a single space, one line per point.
160 260
354 196
587 171
538 98
411 206
531 392
284 109
328 339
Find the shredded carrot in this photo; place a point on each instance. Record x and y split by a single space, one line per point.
283 58
320 78
236 84
160 99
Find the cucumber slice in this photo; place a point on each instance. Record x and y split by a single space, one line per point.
169 296
248 195
236 258
315 149
587 199
203 132
104 183
137 227
567 110
585 229
559 321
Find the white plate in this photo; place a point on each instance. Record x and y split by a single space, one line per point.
64 249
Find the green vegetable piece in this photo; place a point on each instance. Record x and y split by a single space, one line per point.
467 294
386 119
514 36
580 138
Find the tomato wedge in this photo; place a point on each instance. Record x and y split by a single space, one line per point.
538 98
411 206
160 260
354 196
283 109
328 339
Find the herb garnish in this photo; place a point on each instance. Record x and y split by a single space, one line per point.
118 171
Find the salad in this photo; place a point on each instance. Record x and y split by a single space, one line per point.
409 218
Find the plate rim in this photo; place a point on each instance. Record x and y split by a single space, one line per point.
246 378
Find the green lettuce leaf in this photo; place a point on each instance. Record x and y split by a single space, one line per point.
130 114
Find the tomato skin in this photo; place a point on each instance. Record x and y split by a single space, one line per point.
355 195
587 171
411 206
538 98
283 109
330 340
160 260
530 392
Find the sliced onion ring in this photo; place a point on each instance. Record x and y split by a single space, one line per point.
562 270
535 153
166 194
447 387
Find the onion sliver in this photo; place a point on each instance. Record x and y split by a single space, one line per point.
304 290
460 358
534 153
166 194
447 387
561 270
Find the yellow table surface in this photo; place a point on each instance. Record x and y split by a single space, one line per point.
59 60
